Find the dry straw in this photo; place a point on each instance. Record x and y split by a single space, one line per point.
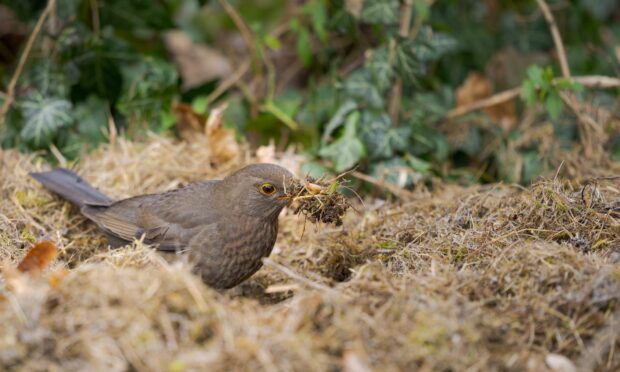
481 278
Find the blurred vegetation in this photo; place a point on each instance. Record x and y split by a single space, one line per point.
364 83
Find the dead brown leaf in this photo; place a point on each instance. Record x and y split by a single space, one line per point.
222 142
197 63
477 87
38 258
188 121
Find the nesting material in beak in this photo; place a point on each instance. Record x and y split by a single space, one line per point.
319 200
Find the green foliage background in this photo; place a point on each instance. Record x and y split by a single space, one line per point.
104 61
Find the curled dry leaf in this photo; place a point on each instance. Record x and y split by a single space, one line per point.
477 87
319 200
221 141
197 63
38 258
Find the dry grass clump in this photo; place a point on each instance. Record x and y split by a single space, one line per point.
319 200
482 278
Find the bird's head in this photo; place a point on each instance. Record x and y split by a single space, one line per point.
257 190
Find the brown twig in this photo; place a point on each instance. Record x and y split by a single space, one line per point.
594 81
229 82
10 93
397 88
397 191
299 278
557 38
246 33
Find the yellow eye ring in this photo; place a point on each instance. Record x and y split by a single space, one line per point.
267 189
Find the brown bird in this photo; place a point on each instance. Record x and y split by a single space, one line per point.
226 226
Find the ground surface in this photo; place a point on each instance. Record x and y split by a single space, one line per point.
492 277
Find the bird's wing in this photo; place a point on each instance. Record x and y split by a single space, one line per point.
167 220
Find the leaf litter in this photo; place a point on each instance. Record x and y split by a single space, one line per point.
491 277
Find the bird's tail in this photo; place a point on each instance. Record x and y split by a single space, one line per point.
71 187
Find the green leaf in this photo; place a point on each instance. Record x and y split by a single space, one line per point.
304 46
347 150
92 120
318 16
535 75
418 164
528 92
200 104
395 171
377 135
359 86
407 63
271 108
422 9
151 87
96 62
272 42
431 45
313 169
43 117
554 104
380 69
380 11
338 119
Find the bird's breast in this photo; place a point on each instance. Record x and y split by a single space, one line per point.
243 243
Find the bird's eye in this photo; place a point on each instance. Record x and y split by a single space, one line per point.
267 189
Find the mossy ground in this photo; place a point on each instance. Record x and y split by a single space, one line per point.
493 277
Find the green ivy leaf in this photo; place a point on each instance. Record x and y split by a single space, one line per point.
380 11
407 62
338 119
43 117
92 120
359 86
151 86
431 45
347 150
380 69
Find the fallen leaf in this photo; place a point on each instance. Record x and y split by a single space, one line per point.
223 145
289 159
38 257
355 7
188 121
56 277
197 63
478 87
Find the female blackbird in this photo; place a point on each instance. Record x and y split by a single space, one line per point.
226 226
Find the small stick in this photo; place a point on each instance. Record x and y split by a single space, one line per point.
593 81
10 93
229 82
399 192
285 270
557 38
246 33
